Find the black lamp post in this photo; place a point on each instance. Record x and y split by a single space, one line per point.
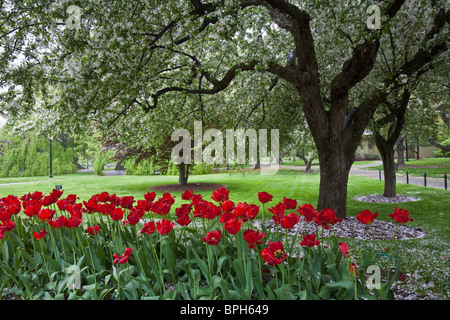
51 164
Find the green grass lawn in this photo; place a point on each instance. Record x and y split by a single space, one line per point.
434 167
425 260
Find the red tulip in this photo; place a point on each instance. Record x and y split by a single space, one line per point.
149 227
164 226
353 269
213 238
211 211
227 206
187 195
309 241
4 214
117 214
40 235
102 197
123 258
183 220
253 237
233 225
289 203
161 207
264 197
126 202
307 210
326 217
366 217
58 223
133 217
344 248
289 221
274 254
400 216
167 197
150 196
93 230
220 195
72 222
46 214
224 217
31 207
6 225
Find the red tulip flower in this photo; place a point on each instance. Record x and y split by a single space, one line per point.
274 254
227 206
213 238
93 230
58 223
353 269
307 210
344 248
123 258
253 237
164 226
31 208
150 196
289 221
6 225
187 195
183 220
117 214
289 203
400 216
40 235
366 216
149 227
72 222
309 241
167 197
326 217
233 225
126 202
264 197
46 214
220 195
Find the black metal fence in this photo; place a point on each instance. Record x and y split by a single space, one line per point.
445 182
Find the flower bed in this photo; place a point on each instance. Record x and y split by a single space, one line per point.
112 247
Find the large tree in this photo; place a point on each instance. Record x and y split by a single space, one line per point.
126 63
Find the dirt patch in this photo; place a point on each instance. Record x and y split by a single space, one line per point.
190 186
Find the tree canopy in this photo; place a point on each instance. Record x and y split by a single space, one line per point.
139 67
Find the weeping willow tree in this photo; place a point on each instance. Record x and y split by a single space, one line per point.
28 155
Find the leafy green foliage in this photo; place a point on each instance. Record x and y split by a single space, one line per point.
29 155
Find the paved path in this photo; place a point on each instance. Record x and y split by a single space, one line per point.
105 172
359 170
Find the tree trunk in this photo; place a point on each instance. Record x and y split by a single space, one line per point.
308 165
387 156
400 151
184 174
257 164
334 172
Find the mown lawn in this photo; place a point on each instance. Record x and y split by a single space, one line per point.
425 260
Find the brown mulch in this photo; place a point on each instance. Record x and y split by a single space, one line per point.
190 186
